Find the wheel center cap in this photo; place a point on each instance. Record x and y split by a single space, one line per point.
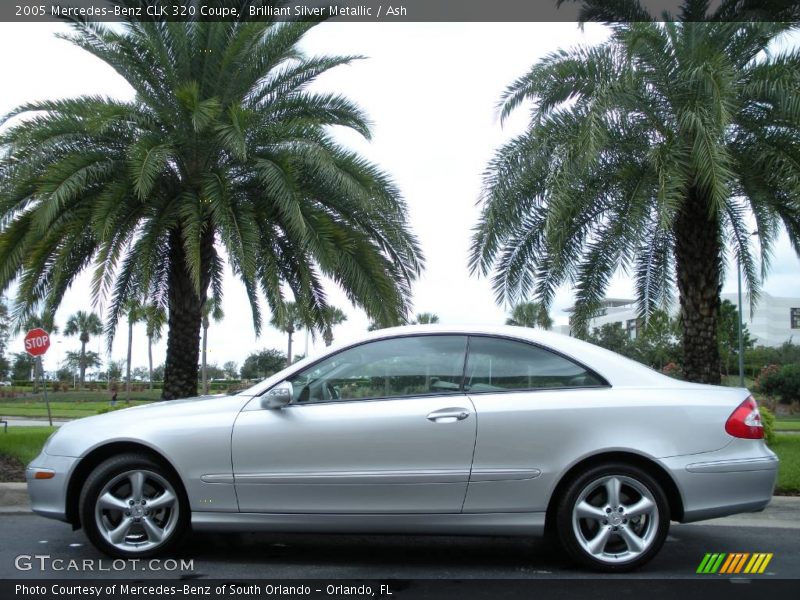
615 518
137 511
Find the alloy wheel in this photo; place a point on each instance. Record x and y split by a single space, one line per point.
615 519
137 510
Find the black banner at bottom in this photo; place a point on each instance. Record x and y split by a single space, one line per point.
616 588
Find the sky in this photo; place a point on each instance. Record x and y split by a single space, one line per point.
431 91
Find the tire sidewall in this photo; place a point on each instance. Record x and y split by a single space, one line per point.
106 471
564 527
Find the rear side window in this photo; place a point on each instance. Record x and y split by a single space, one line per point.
496 364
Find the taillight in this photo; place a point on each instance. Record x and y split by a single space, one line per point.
745 421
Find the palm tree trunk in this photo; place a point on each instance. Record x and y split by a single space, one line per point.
698 255
82 366
128 368
150 359
185 318
205 364
289 351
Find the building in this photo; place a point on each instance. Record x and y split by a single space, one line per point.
774 321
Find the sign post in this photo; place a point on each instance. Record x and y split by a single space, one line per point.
37 342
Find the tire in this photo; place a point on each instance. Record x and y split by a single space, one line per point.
612 518
132 506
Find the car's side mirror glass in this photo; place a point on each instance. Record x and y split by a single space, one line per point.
278 397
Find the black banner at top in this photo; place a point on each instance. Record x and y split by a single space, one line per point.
388 11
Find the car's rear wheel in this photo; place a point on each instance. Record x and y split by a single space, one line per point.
613 517
132 506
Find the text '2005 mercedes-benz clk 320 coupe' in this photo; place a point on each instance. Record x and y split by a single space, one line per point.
424 430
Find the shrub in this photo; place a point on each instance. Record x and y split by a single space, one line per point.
782 382
768 421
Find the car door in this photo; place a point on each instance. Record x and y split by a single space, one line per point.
532 404
383 427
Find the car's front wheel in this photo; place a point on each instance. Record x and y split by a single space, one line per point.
613 517
131 506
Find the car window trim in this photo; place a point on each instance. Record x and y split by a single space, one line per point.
460 390
459 393
604 383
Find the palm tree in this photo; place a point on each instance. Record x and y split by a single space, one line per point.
134 312
155 317
81 361
84 325
5 365
289 321
225 148
426 319
213 310
44 319
650 152
530 314
333 317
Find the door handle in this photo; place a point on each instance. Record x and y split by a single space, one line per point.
448 415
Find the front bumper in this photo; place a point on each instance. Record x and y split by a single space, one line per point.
49 496
736 479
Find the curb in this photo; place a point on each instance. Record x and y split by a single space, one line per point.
14 498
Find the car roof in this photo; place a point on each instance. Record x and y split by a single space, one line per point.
614 368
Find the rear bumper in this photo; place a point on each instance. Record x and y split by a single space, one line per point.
49 496
733 480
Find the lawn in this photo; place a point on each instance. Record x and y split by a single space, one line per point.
733 381
787 424
70 405
24 443
787 447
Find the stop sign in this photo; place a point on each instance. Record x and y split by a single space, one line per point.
37 341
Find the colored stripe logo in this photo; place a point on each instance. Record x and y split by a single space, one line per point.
734 563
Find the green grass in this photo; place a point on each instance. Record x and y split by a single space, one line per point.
59 410
787 447
733 381
24 443
787 424
70 405
86 396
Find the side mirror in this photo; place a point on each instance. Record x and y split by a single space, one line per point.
278 397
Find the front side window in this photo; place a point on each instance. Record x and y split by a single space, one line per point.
496 365
396 368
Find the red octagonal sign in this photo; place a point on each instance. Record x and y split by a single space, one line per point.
37 341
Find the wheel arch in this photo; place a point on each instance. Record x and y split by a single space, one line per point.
657 471
101 453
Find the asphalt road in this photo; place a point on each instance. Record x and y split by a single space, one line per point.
243 556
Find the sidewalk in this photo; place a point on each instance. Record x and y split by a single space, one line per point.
782 512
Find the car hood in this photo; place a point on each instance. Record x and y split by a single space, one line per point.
141 423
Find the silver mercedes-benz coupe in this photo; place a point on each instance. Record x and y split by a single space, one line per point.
424 430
